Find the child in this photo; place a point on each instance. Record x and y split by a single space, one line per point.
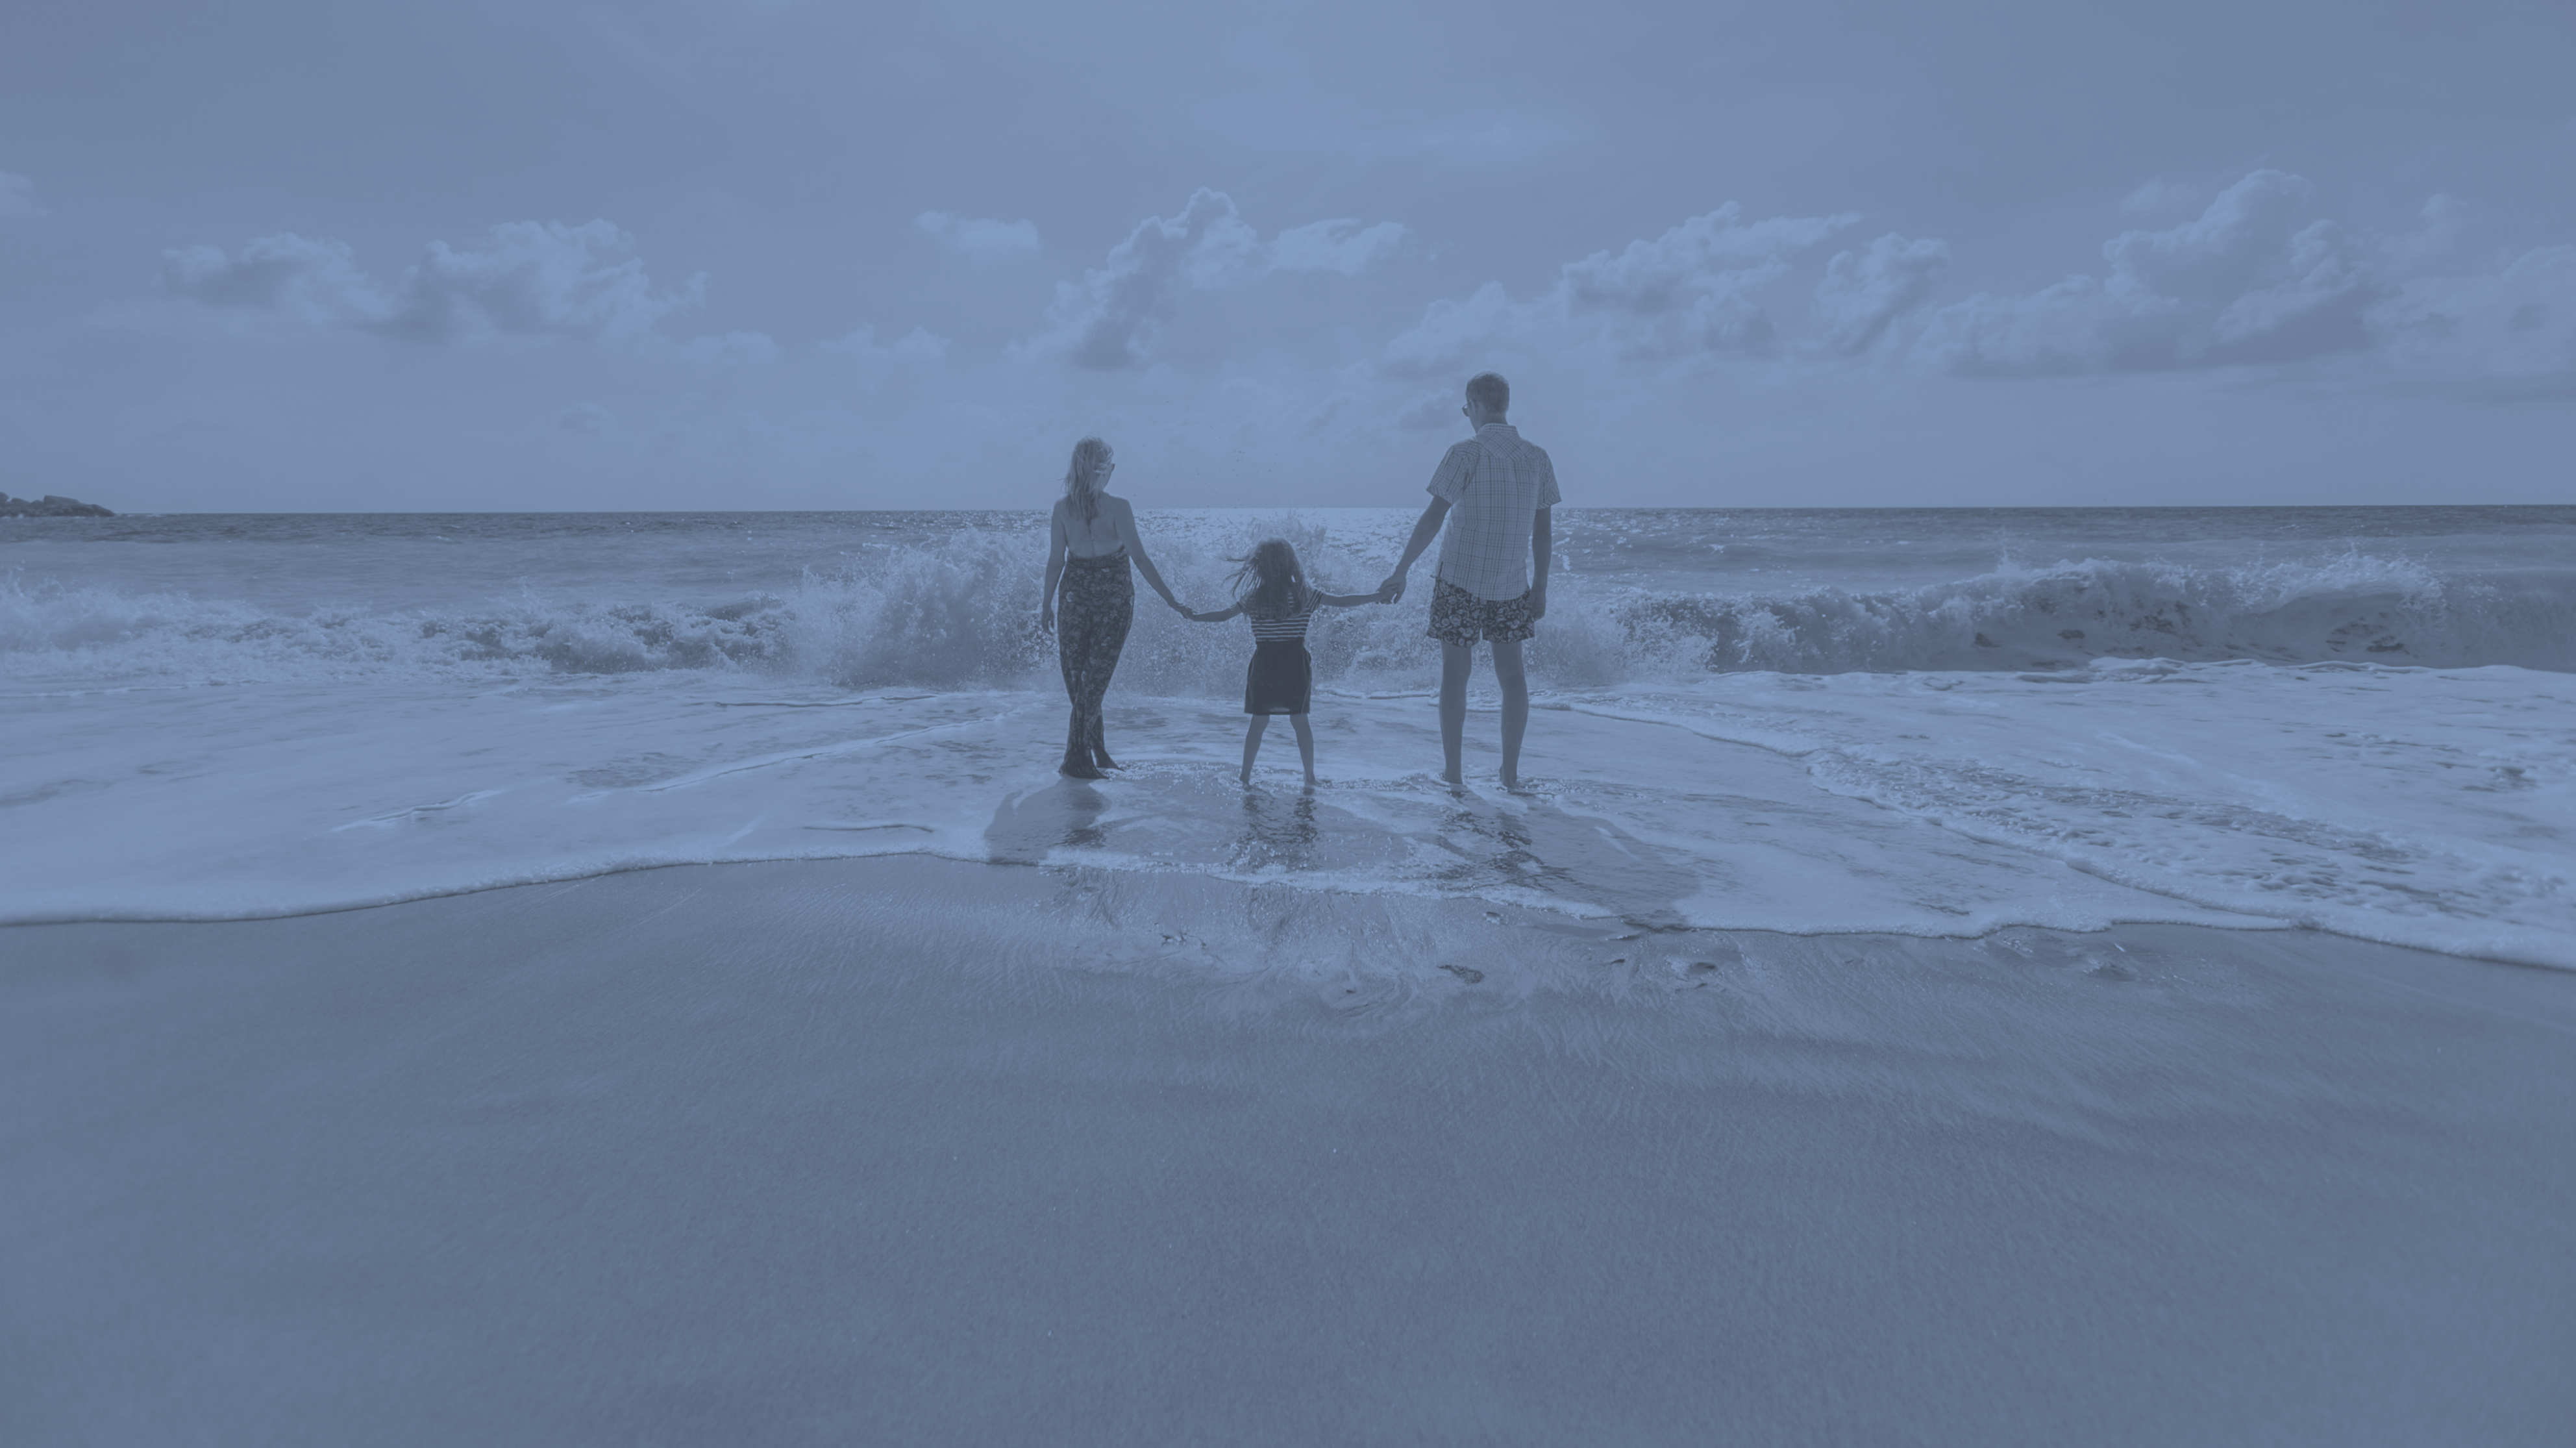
1271 589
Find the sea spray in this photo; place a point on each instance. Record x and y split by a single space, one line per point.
100 635
1842 722
2354 607
960 610
962 614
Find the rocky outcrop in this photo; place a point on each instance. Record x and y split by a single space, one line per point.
50 506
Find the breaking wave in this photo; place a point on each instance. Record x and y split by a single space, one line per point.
2353 607
964 615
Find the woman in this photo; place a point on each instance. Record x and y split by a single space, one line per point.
1088 549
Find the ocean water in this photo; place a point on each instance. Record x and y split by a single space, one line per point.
1942 722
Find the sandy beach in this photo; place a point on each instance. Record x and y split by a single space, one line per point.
911 1150
787 725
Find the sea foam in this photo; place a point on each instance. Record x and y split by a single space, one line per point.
2370 738
963 612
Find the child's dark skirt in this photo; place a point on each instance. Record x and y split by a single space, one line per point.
1281 679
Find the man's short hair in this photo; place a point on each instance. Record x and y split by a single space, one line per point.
1489 391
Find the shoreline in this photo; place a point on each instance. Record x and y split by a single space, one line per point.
1325 891
802 1152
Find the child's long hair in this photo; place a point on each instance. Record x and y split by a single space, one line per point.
1271 581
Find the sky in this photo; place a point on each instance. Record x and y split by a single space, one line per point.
755 254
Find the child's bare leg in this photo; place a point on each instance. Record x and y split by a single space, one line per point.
1455 661
1509 672
1252 744
1305 748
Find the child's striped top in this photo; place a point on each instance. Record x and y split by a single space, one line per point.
1286 628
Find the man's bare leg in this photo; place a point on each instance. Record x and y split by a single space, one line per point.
1455 661
1515 681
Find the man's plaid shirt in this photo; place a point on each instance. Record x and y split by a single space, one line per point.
1495 484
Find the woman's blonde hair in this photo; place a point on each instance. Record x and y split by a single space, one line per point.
1271 580
1082 479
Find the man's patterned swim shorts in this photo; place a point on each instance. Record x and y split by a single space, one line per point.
1459 617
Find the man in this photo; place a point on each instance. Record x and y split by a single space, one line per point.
1492 579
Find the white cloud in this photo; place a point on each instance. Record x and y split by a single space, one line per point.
523 279
1436 412
2244 283
2158 197
1697 288
981 238
2509 334
1450 333
1341 245
1112 319
2443 225
531 278
314 281
2251 281
1703 255
731 349
916 345
16 196
1863 292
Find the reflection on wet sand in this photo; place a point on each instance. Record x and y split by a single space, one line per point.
1026 826
1578 858
1466 845
1277 834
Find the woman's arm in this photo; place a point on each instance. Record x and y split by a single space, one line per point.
1348 600
1055 566
1216 615
1136 550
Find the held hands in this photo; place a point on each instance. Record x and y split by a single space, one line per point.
1392 590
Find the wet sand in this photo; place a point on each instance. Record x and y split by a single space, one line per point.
908 1150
